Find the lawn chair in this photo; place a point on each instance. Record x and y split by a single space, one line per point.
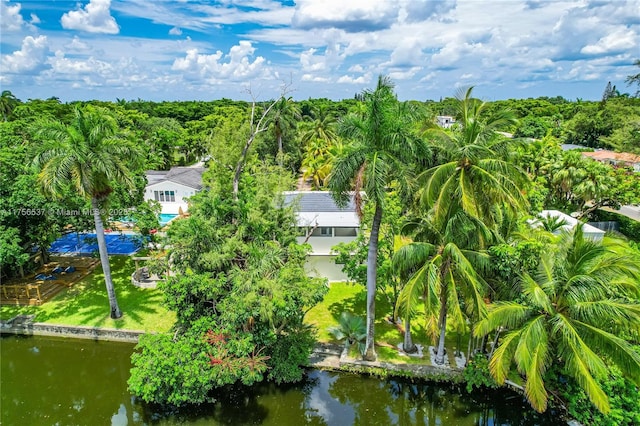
58 269
69 269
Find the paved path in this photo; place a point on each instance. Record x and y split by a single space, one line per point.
632 212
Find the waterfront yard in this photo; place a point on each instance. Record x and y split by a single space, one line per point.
352 298
86 303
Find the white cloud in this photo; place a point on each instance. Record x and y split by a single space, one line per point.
312 62
351 16
78 45
347 79
314 78
175 31
34 19
211 69
10 17
616 41
95 17
29 58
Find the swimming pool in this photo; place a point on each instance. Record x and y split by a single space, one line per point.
165 218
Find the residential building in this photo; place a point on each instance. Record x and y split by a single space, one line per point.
589 231
445 121
616 159
171 188
323 225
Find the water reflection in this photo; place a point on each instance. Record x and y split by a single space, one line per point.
48 381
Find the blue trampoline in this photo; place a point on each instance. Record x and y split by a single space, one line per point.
87 243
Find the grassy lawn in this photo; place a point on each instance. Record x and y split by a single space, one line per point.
86 303
352 298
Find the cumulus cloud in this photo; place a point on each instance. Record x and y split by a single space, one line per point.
213 69
351 16
348 79
95 17
617 41
29 59
421 10
175 31
10 17
312 62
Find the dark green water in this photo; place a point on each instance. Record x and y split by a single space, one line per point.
53 381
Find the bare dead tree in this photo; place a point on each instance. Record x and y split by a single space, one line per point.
256 126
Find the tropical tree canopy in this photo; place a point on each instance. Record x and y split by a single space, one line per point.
575 311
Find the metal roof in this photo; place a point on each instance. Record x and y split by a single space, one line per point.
316 201
317 208
188 176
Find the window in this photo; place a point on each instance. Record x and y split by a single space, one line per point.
162 196
325 232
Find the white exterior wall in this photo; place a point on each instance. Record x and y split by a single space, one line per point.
181 192
588 230
325 267
322 245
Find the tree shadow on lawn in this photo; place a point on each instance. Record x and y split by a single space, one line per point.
387 334
86 303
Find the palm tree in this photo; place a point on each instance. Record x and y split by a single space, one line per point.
7 103
87 155
474 174
572 312
351 329
322 128
381 150
285 115
440 272
467 194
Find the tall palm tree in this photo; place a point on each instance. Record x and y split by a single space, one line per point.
382 148
572 311
474 173
285 115
440 271
473 186
87 155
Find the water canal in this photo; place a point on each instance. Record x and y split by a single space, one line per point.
56 381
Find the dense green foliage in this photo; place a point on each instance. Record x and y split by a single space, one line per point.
240 295
240 291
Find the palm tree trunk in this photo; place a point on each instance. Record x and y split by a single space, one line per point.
280 150
408 345
104 259
372 270
442 321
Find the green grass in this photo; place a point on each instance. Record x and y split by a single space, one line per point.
86 303
352 298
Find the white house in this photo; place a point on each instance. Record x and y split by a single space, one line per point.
171 188
590 231
323 225
445 121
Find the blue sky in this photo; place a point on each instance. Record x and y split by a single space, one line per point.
204 50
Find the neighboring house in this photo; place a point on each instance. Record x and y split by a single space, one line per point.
590 231
571 146
445 121
617 159
171 188
323 225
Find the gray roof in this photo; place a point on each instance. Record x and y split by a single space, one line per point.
317 201
188 176
570 146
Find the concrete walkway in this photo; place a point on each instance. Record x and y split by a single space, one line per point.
334 357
